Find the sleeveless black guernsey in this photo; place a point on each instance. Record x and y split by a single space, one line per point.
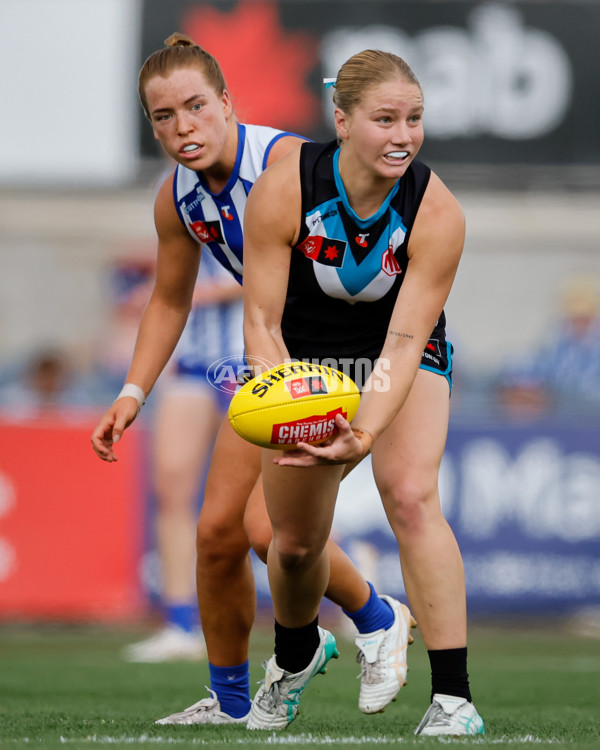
346 272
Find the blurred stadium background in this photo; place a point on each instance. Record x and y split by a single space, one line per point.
512 125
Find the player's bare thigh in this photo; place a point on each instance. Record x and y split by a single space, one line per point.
407 455
300 501
184 431
234 469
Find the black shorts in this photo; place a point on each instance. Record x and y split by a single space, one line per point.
437 357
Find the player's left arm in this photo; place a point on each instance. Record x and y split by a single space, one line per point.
435 248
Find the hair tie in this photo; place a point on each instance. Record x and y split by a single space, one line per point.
329 82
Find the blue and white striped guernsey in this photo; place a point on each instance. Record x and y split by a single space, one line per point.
216 220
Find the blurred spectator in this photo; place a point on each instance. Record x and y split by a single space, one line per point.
48 381
572 359
130 283
564 374
521 394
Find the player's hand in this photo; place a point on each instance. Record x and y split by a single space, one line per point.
111 427
345 448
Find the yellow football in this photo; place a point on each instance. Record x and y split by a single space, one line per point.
293 402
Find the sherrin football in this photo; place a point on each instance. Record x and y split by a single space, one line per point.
293 402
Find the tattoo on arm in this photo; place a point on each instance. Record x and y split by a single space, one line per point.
401 335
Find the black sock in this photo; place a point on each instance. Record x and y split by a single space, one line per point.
449 672
295 647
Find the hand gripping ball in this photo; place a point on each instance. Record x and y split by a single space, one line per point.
291 403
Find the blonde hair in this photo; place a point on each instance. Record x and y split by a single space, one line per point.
365 70
180 52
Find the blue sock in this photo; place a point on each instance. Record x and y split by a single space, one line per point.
232 686
376 614
185 616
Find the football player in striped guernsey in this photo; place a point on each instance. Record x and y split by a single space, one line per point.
200 208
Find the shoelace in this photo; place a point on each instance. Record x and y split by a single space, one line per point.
206 704
270 698
372 673
273 695
439 717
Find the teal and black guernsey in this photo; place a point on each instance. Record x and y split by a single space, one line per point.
345 271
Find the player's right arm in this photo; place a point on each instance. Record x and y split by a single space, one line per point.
271 227
162 321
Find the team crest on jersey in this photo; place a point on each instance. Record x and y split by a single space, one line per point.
207 231
389 264
323 250
300 387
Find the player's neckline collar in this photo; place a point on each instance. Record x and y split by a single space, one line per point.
351 212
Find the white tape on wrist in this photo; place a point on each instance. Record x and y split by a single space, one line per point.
130 389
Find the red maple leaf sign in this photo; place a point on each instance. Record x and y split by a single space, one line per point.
264 65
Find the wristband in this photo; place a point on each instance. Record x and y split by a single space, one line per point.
360 433
134 391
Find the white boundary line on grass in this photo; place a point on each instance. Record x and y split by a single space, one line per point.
297 739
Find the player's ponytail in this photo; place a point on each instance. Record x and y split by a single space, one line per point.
179 40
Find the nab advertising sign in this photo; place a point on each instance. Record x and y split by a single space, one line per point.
504 83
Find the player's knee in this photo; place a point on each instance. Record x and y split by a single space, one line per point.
174 492
259 536
293 555
409 503
219 543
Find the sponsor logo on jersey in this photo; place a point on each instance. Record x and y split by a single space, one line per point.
361 239
189 207
207 231
432 352
317 427
319 218
323 250
226 214
301 387
389 264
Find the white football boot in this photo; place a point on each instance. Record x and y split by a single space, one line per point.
276 702
382 659
172 643
451 716
206 711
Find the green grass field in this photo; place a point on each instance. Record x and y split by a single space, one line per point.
67 687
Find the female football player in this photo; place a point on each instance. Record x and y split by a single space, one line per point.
200 207
362 243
